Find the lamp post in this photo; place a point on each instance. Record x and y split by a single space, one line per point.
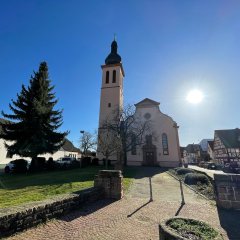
82 132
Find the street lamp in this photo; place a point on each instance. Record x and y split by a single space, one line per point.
82 132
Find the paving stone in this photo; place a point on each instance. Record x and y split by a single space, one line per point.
132 217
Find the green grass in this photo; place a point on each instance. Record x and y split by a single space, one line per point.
17 189
2 166
128 174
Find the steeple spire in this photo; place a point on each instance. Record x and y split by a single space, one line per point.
113 57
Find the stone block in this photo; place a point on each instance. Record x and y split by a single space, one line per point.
235 205
222 196
237 196
222 178
111 182
224 204
235 178
221 189
230 197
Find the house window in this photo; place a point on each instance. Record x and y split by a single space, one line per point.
109 105
165 144
134 142
114 76
107 77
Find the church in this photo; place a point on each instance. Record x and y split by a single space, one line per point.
162 147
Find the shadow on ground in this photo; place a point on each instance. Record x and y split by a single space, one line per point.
86 210
143 172
230 222
60 177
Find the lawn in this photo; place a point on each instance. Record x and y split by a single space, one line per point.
22 188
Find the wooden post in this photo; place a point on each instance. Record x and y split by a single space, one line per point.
182 195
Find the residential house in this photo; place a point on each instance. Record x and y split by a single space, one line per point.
192 153
227 146
210 149
67 150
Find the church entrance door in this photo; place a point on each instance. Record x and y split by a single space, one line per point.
150 158
149 152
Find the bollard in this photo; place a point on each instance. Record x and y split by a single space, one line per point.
150 183
182 195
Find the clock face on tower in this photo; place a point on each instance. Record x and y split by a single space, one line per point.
147 116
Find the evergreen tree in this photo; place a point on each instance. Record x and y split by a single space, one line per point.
33 123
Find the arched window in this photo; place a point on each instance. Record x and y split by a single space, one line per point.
165 144
107 77
114 76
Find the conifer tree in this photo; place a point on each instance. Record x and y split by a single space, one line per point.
32 126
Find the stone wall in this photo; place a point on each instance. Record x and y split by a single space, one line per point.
112 183
227 191
20 218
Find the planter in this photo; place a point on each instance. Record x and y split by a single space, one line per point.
179 228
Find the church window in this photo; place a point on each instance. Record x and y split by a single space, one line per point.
148 140
109 105
165 144
147 116
107 77
134 143
114 76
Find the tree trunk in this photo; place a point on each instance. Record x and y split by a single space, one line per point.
125 158
106 163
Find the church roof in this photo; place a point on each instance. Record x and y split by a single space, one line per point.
147 102
113 57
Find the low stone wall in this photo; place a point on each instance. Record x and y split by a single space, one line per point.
227 191
20 218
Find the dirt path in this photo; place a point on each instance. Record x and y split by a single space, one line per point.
133 217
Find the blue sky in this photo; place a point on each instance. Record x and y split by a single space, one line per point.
168 47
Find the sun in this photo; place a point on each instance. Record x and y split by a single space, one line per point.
195 96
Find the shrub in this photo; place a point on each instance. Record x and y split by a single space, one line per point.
195 178
85 161
50 164
75 164
95 161
183 171
192 229
38 164
108 163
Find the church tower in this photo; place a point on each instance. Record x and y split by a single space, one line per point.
112 85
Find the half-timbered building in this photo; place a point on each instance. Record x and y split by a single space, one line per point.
227 146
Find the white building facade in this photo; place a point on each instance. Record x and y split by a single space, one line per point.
67 150
161 146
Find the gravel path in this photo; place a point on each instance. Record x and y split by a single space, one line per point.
133 217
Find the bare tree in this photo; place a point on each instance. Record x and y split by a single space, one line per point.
108 143
129 128
87 142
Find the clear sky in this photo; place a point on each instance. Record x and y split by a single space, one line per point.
168 47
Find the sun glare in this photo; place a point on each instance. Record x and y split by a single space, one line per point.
195 96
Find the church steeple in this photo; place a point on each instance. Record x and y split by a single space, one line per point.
113 57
